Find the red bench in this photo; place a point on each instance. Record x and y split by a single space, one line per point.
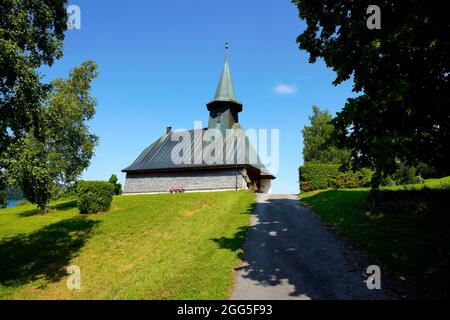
177 190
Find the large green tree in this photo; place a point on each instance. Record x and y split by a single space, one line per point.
31 35
319 146
64 150
400 70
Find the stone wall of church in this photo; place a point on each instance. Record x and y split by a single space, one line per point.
188 180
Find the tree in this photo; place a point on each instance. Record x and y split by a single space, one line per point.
318 144
117 186
65 146
31 35
3 201
401 72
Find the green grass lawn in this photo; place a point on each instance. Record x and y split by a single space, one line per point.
433 183
415 247
442 183
146 247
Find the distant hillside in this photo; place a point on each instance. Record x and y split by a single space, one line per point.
13 193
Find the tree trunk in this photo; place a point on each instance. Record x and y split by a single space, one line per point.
46 207
376 179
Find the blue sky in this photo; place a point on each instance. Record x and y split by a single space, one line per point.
160 62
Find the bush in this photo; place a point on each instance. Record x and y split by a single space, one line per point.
426 171
388 182
323 176
406 175
346 180
365 177
94 196
318 176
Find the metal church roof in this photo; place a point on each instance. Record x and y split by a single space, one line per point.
158 156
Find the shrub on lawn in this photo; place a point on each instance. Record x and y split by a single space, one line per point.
406 175
94 196
346 180
388 182
350 179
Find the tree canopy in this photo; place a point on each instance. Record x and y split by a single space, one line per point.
31 35
319 146
59 156
401 72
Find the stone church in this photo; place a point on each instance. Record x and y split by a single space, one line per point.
155 171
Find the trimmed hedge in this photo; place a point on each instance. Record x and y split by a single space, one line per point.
94 196
319 176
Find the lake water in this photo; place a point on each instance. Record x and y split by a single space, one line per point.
12 202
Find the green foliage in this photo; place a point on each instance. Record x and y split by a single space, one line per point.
353 179
31 35
117 186
317 139
317 176
426 171
39 164
30 170
388 182
322 176
401 71
406 175
94 196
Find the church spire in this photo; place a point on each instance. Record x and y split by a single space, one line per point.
224 108
225 89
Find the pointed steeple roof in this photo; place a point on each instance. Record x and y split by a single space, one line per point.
225 89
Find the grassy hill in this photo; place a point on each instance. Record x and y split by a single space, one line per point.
414 246
146 247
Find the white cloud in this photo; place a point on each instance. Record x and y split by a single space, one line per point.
285 89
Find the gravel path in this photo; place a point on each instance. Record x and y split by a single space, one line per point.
289 254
